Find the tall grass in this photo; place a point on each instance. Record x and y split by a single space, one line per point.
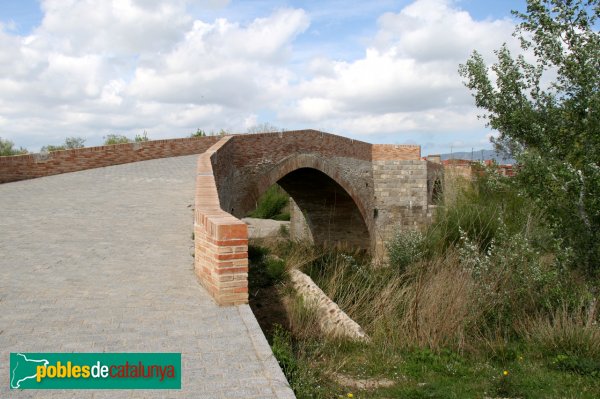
482 287
483 266
272 205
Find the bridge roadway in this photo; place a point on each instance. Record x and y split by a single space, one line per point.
100 261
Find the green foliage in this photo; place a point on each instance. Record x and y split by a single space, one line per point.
141 137
70 143
520 281
275 268
74 142
404 248
7 148
256 253
271 204
116 139
52 148
577 364
552 129
477 212
199 133
282 350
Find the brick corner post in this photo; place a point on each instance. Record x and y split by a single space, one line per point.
220 240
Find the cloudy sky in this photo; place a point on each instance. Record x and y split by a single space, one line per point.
378 71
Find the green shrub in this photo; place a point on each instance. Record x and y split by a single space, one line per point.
404 248
74 142
275 268
52 148
256 253
115 139
284 216
271 204
141 137
70 143
7 148
199 133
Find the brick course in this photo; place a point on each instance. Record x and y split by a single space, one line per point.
22 167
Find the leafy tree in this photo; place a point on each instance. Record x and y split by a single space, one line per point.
52 148
74 142
70 143
547 113
7 148
199 133
115 139
141 137
265 127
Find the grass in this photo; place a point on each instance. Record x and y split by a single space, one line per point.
272 204
470 308
437 353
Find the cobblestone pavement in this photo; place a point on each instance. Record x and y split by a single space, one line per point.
100 261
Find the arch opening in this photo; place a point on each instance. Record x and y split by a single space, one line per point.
331 214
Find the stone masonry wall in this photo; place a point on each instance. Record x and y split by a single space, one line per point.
22 167
401 199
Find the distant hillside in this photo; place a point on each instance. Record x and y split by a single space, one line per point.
478 155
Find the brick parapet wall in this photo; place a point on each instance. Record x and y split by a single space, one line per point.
220 240
255 149
395 152
22 167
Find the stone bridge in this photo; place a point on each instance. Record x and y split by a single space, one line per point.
344 191
347 192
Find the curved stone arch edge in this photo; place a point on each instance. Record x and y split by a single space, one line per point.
312 161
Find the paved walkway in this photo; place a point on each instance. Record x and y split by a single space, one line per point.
100 261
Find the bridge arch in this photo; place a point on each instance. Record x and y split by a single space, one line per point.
334 210
351 191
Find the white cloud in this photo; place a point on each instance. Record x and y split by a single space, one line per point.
407 79
94 67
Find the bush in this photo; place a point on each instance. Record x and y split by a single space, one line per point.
572 333
115 139
275 268
74 142
271 204
7 148
70 143
199 133
141 137
256 253
404 248
477 210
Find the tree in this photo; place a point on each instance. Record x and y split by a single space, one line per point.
141 137
70 143
116 139
199 133
547 114
7 148
74 142
265 127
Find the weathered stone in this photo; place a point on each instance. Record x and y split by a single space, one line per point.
332 320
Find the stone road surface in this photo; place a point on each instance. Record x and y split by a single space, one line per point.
100 261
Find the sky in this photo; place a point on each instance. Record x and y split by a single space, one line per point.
378 71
